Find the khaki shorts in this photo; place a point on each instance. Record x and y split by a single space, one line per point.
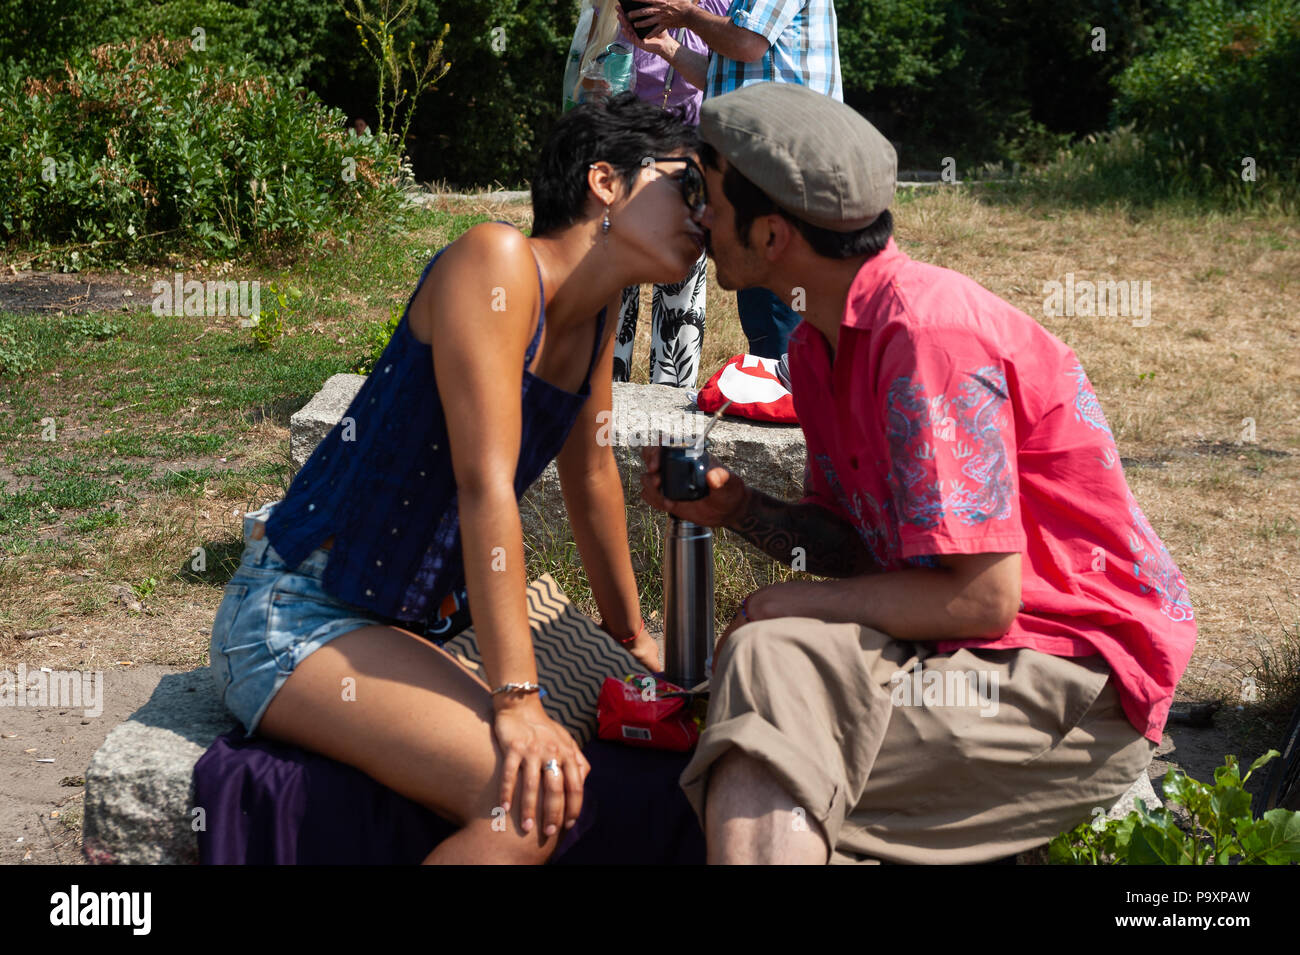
904 755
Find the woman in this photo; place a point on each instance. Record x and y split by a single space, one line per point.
415 493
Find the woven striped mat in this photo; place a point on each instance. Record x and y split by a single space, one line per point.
574 656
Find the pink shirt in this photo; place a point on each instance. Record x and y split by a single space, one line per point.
953 423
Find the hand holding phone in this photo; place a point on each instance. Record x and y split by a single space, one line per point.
631 6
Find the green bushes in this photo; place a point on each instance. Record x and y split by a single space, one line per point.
1204 83
149 140
1217 95
988 80
1222 830
285 38
491 113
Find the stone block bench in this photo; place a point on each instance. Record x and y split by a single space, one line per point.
769 457
139 802
139 785
140 805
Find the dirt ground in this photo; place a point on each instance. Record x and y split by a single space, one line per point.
40 803
51 293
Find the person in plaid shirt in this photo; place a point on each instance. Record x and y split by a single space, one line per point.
758 41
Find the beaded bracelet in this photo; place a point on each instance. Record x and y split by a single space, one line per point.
744 609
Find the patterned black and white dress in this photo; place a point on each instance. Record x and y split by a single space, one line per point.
676 331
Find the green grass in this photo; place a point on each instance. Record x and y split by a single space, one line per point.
94 521
143 406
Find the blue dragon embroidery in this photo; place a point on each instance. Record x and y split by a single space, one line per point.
1155 569
1086 406
875 524
907 419
917 431
979 405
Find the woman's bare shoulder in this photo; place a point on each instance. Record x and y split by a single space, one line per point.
488 269
493 240
495 250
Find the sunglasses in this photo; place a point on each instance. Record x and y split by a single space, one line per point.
694 191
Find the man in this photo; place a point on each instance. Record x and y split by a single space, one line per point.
999 649
758 41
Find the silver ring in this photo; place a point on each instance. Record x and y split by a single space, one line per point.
552 766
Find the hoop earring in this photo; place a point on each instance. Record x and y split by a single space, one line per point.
604 226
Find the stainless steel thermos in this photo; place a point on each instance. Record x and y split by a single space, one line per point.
688 571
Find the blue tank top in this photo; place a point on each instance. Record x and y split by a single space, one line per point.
381 481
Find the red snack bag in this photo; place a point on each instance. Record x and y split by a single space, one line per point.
637 711
752 386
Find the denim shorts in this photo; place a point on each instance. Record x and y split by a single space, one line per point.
271 617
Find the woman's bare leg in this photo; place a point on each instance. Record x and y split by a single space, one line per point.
394 707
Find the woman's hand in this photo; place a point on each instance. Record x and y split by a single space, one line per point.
643 647
646 652
528 739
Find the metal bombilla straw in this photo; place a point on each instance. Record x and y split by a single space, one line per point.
688 565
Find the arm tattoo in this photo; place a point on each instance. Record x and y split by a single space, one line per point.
830 545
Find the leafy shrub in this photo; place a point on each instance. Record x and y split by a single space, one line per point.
83 326
146 139
379 338
987 79
17 350
284 38
266 327
1223 830
891 43
1220 85
490 114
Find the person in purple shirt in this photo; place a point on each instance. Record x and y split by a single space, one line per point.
751 41
676 308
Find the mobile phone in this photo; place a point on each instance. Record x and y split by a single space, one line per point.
628 7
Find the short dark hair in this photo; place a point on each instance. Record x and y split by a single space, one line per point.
750 202
622 130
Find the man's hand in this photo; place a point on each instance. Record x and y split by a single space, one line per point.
723 506
763 604
660 44
660 15
691 66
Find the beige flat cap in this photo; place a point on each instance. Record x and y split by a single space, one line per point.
817 159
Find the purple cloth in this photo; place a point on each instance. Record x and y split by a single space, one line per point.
267 803
651 70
